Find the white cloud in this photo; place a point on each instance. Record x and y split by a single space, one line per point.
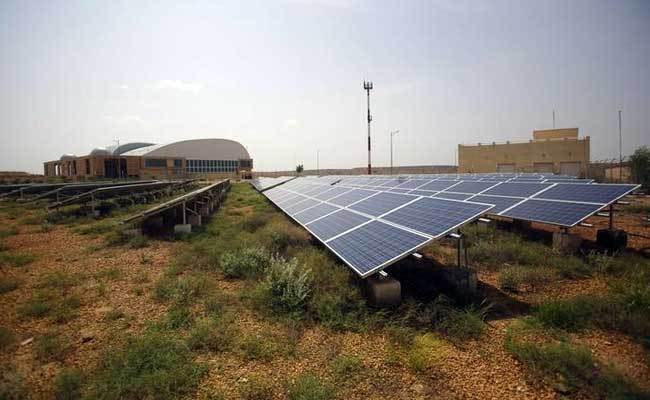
291 123
167 84
124 119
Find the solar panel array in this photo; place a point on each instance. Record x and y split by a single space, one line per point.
558 200
369 229
263 183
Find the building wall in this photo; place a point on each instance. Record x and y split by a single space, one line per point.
550 155
570 133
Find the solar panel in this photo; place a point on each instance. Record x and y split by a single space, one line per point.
297 207
422 193
313 213
333 192
335 224
500 203
413 183
289 201
552 212
438 185
435 217
351 197
588 193
453 196
516 189
374 245
471 187
397 190
381 203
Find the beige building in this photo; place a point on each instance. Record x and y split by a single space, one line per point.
559 151
209 158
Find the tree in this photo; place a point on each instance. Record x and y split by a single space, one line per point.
640 164
299 168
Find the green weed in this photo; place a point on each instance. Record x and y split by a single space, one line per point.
212 334
16 259
8 284
68 384
309 387
245 263
256 388
345 366
52 347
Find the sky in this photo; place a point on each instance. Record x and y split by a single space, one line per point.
285 77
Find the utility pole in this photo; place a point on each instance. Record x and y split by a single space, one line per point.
620 146
317 162
393 133
367 86
553 119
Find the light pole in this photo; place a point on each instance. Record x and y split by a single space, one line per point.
317 162
367 86
620 147
393 133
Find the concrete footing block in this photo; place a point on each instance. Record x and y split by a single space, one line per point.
612 240
384 291
566 242
183 228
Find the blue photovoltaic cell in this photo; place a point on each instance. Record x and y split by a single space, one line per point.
568 181
435 216
591 193
372 245
381 203
333 192
437 185
296 208
318 190
516 189
453 196
419 192
397 190
335 224
471 187
500 203
311 214
286 202
413 183
552 212
393 182
350 197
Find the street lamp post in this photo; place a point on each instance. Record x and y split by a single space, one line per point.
393 133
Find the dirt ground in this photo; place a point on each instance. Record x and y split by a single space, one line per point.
480 369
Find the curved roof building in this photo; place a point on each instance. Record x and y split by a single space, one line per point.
222 157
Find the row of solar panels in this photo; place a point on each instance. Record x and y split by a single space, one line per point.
370 228
264 183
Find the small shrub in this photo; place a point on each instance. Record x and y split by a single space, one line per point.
255 347
96 229
8 284
213 335
109 274
58 280
12 384
67 385
66 309
37 306
138 242
289 284
12 231
571 315
152 365
117 238
309 387
253 223
512 278
426 351
7 337
52 347
179 317
16 259
46 227
345 366
256 388
570 267
182 290
114 315
460 325
247 262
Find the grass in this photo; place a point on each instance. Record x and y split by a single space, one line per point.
245 263
52 347
61 307
8 284
183 290
637 209
210 334
7 337
309 387
256 388
153 365
459 325
12 384
345 366
257 347
426 351
68 385
515 277
16 259
11 231
179 317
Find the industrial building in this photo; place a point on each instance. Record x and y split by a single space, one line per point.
560 151
200 157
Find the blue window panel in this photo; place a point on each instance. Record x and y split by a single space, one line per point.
290 201
332 192
297 207
453 196
311 214
471 187
499 203
413 183
419 192
436 216
552 212
437 185
592 193
335 224
520 189
375 245
381 203
350 197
